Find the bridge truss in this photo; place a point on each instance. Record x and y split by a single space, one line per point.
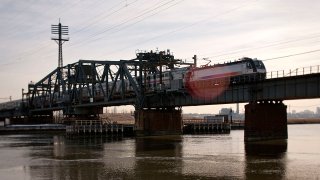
98 83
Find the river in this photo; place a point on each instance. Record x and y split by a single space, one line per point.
55 156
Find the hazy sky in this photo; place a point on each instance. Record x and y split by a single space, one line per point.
112 30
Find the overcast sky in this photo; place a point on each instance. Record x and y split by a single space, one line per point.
114 29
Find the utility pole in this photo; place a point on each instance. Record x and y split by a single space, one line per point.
60 31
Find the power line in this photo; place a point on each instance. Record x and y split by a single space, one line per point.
43 45
25 8
26 53
144 18
291 55
103 17
49 12
277 43
146 12
90 38
184 27
34 51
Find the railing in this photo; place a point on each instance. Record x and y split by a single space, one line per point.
293 72
194 120
88 122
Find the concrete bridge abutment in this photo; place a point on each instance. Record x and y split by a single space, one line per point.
162 121
265 120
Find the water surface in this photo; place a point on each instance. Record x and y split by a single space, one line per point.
54 156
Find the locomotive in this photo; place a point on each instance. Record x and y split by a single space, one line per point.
208 81
211 81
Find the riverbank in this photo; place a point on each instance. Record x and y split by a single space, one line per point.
304 121
126 118
21 128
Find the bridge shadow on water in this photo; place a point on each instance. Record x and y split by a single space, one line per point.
266 160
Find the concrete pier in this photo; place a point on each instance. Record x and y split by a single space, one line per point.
164 121
265 120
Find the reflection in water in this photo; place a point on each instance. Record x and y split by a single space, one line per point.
48 156
214 156
158 157
266 159
77 158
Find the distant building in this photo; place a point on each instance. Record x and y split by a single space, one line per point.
225 111
231 114
216 118
318 111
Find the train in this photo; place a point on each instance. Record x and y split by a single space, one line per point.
202 82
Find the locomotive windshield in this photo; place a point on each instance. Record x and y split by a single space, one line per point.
259 65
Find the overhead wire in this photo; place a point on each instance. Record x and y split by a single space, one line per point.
19 59
109 28
27 6
136 22
291 55
147 11
51 12
34 51
43 45
105 16
272 44
16 30
182 28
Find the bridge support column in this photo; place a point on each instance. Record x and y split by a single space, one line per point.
265 120
165 121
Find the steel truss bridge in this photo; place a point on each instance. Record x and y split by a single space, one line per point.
88 85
